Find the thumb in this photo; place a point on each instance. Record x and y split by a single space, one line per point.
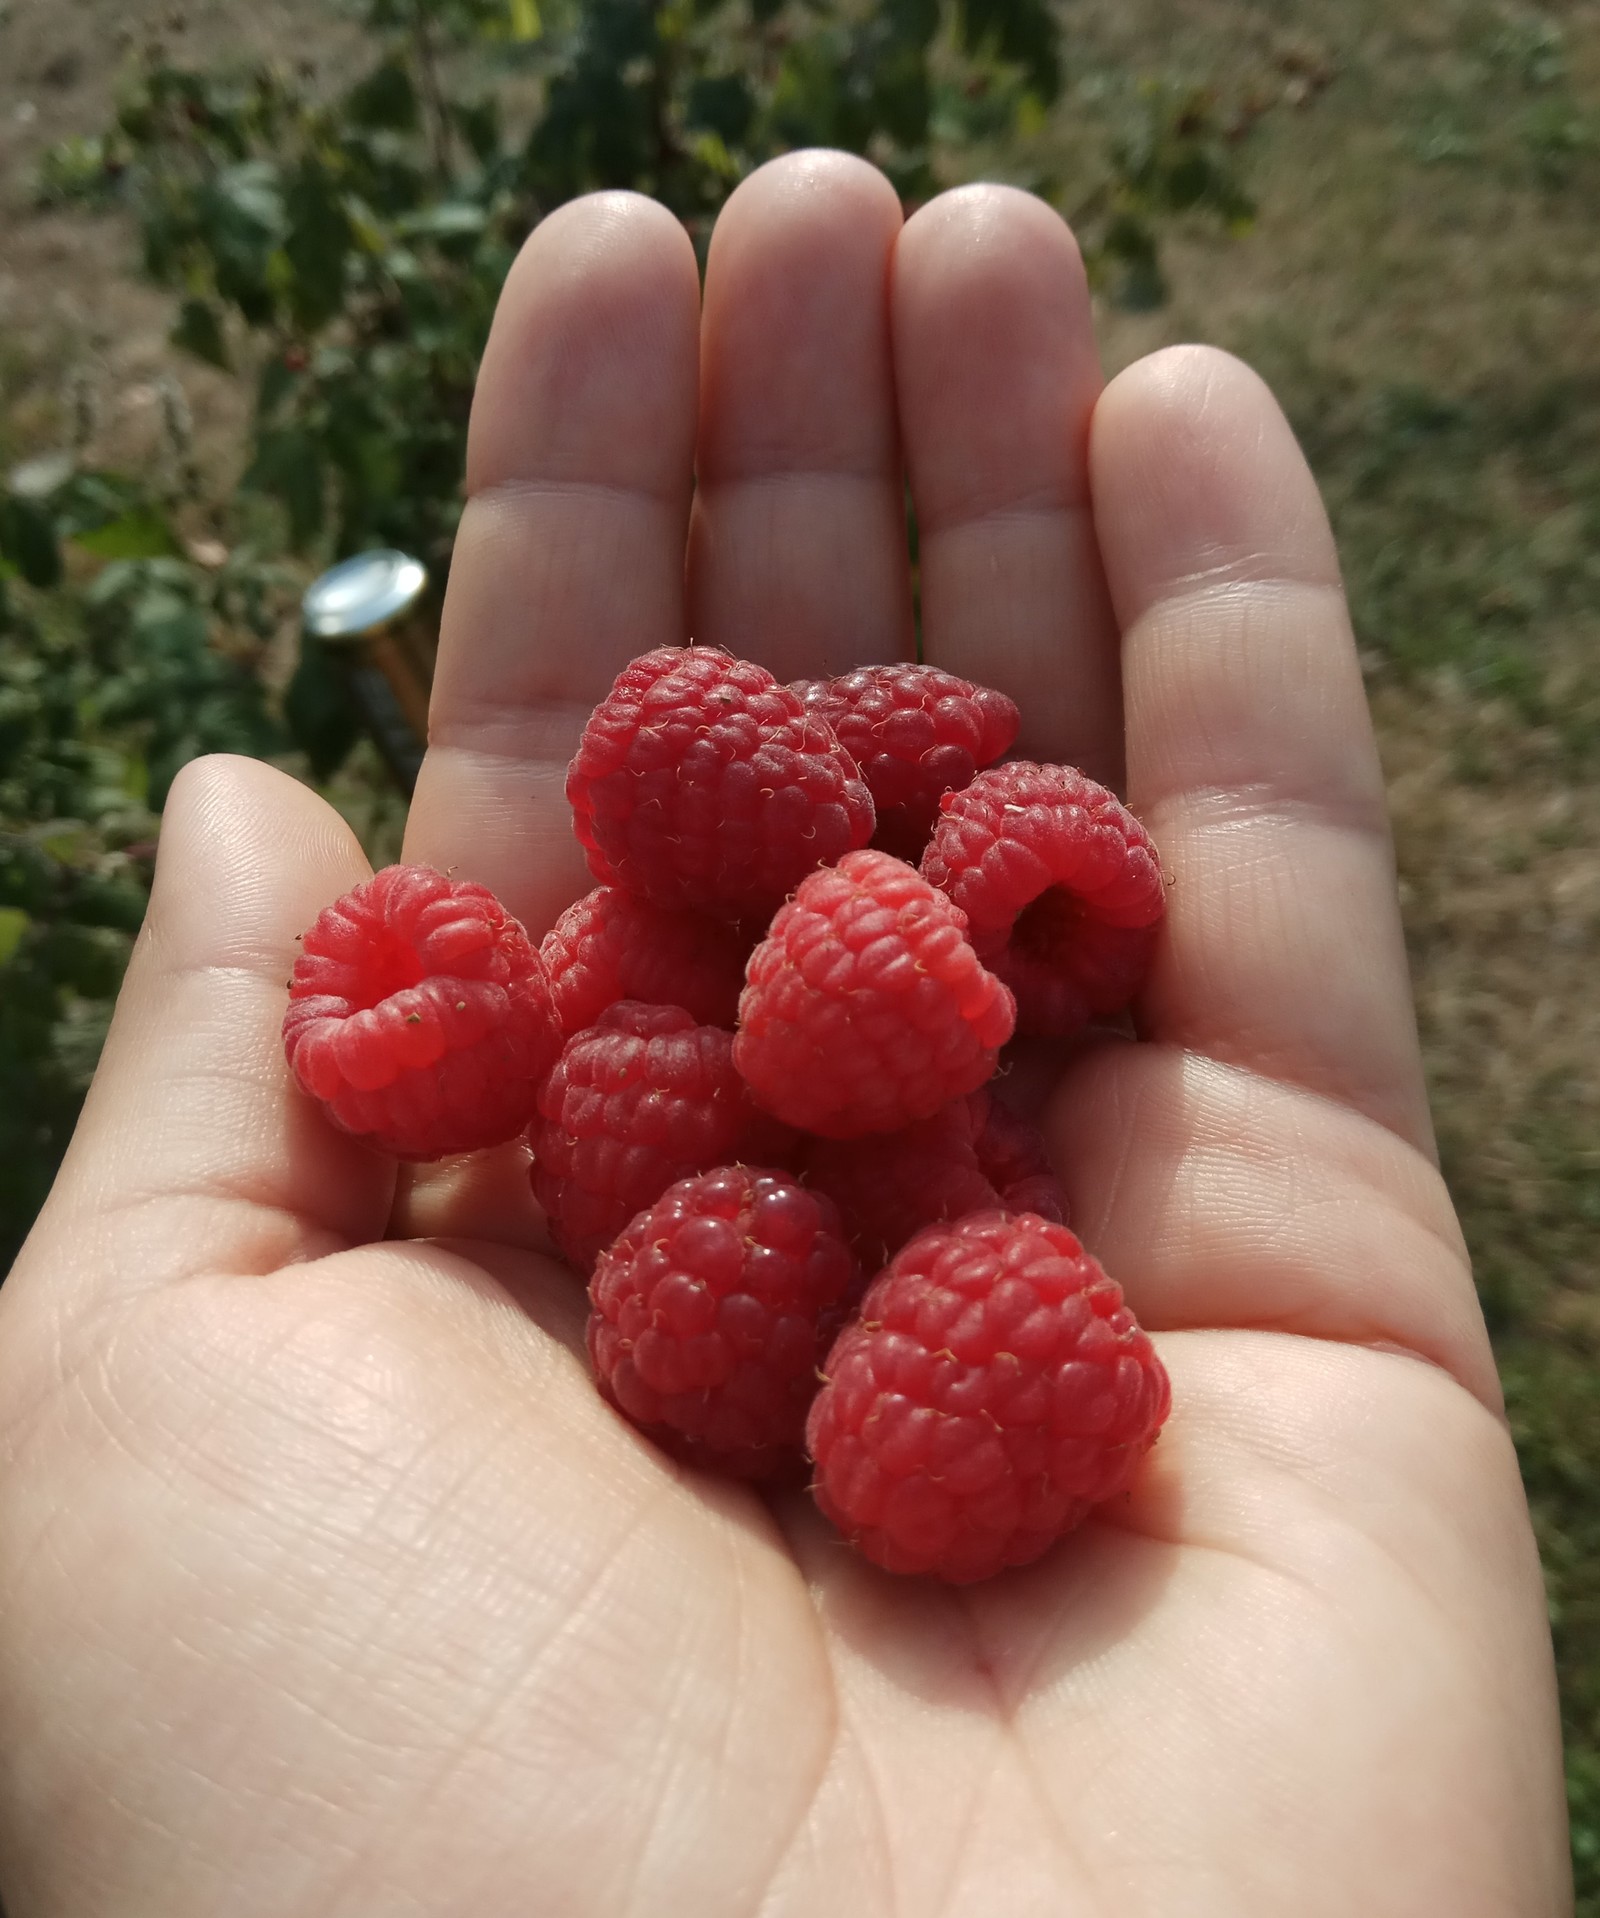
196 1152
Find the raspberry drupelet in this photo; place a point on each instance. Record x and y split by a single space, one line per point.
608 945
420 1015
700 782
712 1311
1061 887
866 1008
642 1098
991 1390
916 733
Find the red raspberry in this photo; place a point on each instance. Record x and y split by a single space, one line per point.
992 1389
866 1008
420 1015
890 1185
1013 1155
1060 884
916 733
608 946
701 782
712 1313
640 1099
971 1156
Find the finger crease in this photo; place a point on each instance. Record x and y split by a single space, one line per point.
777 478
1252 577
1261 803
532 490
538 730
1049 503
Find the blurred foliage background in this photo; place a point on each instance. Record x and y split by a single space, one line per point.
242 298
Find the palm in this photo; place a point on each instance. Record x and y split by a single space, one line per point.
334 1588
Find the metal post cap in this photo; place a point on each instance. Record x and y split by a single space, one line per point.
363 594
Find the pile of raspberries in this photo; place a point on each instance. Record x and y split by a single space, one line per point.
752 1067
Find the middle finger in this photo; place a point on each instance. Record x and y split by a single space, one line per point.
797 549
998 377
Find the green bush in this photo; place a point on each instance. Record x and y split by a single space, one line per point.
106 688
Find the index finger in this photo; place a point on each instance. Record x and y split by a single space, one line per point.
569 561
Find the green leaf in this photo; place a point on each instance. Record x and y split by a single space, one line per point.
722 103
385 99
14 923
1131 241
28 540
89 499
277 381
319 713
142 533
87 959
76 169
479 121
448 219
115 903
288 466
243 223
1023 31
318 245
901 96
199 331
250 198
171 632
525 23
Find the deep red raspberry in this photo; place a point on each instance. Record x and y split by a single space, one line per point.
993 1387
701 782
642 1098
889 1185
866 1007
916 733
1060 884
420 1015
1016 1162
712 1312
971 1156
608 945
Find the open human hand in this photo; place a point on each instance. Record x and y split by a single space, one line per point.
329 1586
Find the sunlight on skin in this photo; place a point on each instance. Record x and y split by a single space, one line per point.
327 1583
